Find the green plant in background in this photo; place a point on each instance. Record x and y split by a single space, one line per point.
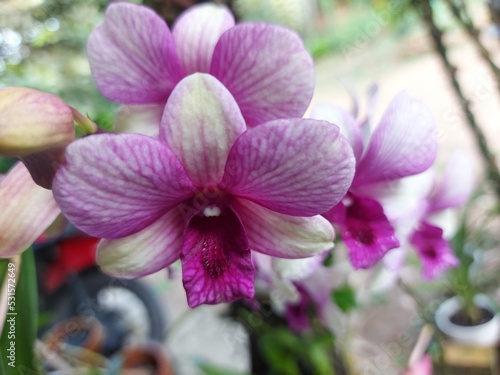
20 323
42 45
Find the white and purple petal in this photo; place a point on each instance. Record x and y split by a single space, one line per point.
281 235
216 262
196 32
298 269
267 69
348 125
26 211
132 55
147 251
296 167
456 184
139 118
114 185
200 124
403 144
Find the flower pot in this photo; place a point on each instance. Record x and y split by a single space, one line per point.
482 335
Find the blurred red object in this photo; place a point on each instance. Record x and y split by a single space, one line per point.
74 255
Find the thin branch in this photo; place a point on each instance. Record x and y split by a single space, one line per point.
424 9
461 14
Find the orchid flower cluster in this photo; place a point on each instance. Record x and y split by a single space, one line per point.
231 179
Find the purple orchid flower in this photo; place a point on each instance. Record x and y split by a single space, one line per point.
208 191
436 225
402 144
135 59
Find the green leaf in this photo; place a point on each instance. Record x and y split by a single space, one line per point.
214 370
320 358
19 331
345 298
328 261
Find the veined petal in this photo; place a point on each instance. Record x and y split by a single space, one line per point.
367 233
145 252
132 55
349 128
267 70
200 124
216 262
27 210
114 185
197 31
281 235
142 118
403 144
296 167
456 184
33 121
433 250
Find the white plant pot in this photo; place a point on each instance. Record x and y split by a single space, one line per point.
486 334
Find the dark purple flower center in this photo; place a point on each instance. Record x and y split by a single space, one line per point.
216 262
363 234
429 252
214 253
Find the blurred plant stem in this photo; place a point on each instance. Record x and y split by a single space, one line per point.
461 14
423 307
425 11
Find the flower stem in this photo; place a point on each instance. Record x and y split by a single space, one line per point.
461 14
426 13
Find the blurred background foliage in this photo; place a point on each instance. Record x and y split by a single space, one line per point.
42 42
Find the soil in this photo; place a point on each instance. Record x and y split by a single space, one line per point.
461 318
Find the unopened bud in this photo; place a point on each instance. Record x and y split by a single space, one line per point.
32 121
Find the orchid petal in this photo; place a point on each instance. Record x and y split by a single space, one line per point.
145 252
367 233
349 128
143 119
114 185
196 32
456 185
337 214
295 167
267 70
298 269
132 55
27 210
403 144
281 235
200 124
33 121
297 314
216 262
433 250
